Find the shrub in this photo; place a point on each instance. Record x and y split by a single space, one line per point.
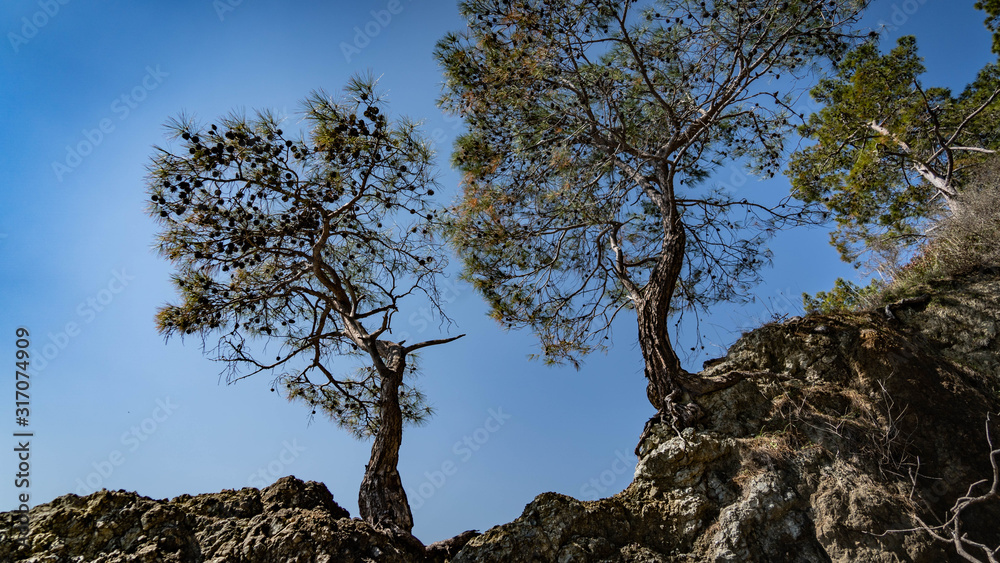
845 296
956 243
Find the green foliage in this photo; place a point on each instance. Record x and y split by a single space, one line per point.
341 402
845 296
957 244
594 128
964 241
889 153
854 170
992 9
304 241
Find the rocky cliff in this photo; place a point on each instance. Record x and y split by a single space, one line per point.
841 435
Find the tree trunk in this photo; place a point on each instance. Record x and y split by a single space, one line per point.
943 184
382 501
663 367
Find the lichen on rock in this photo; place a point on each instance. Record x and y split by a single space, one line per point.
290 520
851 425
846 428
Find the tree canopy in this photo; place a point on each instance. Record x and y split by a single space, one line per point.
992 9
890 152
594 128
309 243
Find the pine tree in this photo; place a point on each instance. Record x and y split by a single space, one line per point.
310 243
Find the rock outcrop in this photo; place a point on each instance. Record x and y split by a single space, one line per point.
841 431
291 521
844 429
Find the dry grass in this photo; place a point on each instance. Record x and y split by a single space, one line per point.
957 242
767 452
966 240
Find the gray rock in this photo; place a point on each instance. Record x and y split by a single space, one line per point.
849 427
845 429
289 521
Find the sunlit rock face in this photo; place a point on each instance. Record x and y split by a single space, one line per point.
845 428
290 520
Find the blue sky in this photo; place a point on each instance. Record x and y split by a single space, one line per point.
85 90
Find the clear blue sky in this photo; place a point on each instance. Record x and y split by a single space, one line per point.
85 90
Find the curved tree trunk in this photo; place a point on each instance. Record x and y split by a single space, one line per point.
670 387
666 378
382 501
663 368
